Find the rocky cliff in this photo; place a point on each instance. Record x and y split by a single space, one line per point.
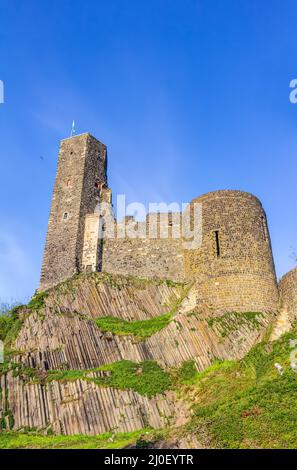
102 353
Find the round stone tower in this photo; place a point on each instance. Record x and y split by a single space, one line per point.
233 267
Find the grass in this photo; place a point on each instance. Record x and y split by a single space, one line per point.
235 404
140 329
247 404
38 301
230 322
114 281
21 440
186 373
146 378
11 321
10 325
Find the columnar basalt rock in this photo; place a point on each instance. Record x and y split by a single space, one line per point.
81 407
63 335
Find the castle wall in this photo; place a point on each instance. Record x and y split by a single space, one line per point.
81 170
144 256
234 268
288 294
91 247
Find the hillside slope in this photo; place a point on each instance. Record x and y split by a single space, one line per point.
235 404
118 354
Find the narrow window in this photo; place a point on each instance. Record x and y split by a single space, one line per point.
218 249
192 218
68 182
264 228
65 216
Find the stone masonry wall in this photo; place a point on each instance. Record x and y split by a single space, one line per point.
91 248
288 294
81 171
145 256
234 268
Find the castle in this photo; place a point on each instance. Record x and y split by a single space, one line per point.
232 270
156 299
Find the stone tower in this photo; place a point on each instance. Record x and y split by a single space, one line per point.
234 268
81 173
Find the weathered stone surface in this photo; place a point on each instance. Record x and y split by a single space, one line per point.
66 336
99 295
157 256
63 335
81 170
288 304
80 407
222 285
70 342
233 268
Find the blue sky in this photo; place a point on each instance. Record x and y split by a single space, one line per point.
189 96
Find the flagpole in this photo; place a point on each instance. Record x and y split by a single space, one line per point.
72 129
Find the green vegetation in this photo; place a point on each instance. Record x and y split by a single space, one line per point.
247 404
10 325
146 378
230 322
115 281
38 301
33 440
141 329
236 404
6 420
7 306
11 321
187 372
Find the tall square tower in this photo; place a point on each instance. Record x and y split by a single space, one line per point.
80 174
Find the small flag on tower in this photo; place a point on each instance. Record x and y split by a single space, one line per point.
72 129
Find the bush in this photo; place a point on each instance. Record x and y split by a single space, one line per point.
9 324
